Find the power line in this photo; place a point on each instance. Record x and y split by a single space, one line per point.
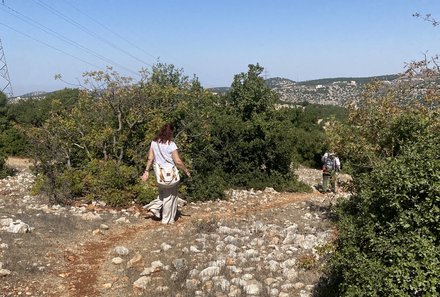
51 32
52 47
110 30
86 30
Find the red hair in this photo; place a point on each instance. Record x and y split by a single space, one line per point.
165 134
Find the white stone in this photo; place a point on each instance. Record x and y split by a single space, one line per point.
156 264
90 216
289 263
287 287
231 239
274 292
298 285
274 265
290 274
147 271
247 276
192 284
162 289
253 288
18 227
268 281
210 272
234 292
250 253
231 247
222 284
165 247
104 227
142 282
309 242
122 220
117 260
4 272
239 282
194 249
121 251
227 230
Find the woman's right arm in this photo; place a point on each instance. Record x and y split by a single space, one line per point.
144 177
179 163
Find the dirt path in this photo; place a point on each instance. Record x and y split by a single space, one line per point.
69 251
83 269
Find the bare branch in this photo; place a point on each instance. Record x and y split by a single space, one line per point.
428 18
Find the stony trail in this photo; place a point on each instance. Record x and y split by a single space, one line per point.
256 243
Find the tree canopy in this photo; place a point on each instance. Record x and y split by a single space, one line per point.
93 143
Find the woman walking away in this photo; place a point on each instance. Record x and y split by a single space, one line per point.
163 151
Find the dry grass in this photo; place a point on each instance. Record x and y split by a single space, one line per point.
18 163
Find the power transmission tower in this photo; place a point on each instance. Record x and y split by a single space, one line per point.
5 81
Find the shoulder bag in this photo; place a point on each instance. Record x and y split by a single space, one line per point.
166 176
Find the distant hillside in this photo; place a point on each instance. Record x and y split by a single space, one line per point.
276 81
358 80
219 90
31 95
35 94
330 91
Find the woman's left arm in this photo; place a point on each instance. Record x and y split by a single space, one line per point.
179 162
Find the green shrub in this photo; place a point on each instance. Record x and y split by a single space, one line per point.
14 142
117 185
389 243
4 170
109 182
209 187
144 192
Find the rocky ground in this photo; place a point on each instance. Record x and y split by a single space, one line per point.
255 243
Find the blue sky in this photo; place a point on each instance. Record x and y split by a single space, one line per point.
299 40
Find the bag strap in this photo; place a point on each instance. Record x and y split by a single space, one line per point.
160 151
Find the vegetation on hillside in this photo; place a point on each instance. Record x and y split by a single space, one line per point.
93 143
358 80
3 127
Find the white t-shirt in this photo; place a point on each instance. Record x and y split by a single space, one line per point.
165 158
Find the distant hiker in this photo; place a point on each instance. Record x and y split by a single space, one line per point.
330 169
163 151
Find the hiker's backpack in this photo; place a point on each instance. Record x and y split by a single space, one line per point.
329 164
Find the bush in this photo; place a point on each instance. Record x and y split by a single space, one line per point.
4 170
106 181
14 142
109 182
390 232
210 187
